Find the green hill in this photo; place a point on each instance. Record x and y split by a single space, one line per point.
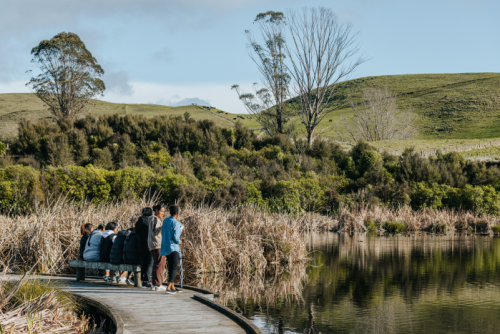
13 107
450 106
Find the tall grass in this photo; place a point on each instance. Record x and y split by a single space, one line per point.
358 218
33 306
239 240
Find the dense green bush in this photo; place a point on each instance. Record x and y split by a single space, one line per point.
113 157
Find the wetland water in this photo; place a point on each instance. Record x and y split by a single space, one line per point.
371 284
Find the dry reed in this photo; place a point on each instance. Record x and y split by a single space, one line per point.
29 306
238 240
356 219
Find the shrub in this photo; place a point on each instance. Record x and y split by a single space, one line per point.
394 227
80 183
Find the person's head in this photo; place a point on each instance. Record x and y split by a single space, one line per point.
147 211
174 211
101 227
111 226
86 228
159 210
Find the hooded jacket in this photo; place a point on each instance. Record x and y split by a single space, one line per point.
92 251
131 249
154 235
106 245
142 230
116 256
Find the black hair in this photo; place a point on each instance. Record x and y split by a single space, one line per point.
88 226
147 211
174 209
110 226
158 207
100 227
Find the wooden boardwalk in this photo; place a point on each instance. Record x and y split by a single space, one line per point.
142 311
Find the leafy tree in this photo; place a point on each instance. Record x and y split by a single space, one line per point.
69 75
3 149
268 104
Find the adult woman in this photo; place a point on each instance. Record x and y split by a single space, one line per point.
171 240
154 244
142 230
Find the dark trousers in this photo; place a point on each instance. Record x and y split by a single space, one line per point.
146 265
158 267
173 263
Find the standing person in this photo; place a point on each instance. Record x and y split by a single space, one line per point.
142 230
85 230
154 244
171 240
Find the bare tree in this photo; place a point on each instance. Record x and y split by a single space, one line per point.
268 102
377 117
321 53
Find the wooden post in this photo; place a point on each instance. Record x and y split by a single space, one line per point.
137 279
80 274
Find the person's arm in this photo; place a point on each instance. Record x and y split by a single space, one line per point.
156 230
176 236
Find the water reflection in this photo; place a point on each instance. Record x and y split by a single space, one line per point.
373 284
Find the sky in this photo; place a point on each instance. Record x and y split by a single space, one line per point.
178 52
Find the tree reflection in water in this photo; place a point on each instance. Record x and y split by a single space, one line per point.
371 284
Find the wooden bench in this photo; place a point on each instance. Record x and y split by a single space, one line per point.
82 265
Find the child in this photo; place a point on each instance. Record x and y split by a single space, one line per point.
86 230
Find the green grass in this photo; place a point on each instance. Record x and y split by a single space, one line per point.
13 107
450 106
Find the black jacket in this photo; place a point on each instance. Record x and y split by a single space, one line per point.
131 249
116 256
142 229
83 240
106 245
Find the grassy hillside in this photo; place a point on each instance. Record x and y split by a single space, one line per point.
13 107
450 106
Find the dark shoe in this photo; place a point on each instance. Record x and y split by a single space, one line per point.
146 284
170 292
178 290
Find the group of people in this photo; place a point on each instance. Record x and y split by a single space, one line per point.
152 242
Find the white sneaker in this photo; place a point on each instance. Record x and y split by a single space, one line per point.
159 288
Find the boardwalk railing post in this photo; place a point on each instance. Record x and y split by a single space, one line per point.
137 279
80 274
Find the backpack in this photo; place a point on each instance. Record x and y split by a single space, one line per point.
116 256
106 245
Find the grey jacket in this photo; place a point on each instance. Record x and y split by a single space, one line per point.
154 235
92 251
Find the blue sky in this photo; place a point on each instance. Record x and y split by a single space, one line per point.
179 51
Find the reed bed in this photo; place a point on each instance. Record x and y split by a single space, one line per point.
357 219
238 240
30 306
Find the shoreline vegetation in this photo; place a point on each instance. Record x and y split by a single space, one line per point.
237 241
32 306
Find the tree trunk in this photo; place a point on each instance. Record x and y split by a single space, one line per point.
310 137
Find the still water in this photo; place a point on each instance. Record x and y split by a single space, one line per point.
373 284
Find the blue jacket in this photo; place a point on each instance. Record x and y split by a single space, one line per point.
170 236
